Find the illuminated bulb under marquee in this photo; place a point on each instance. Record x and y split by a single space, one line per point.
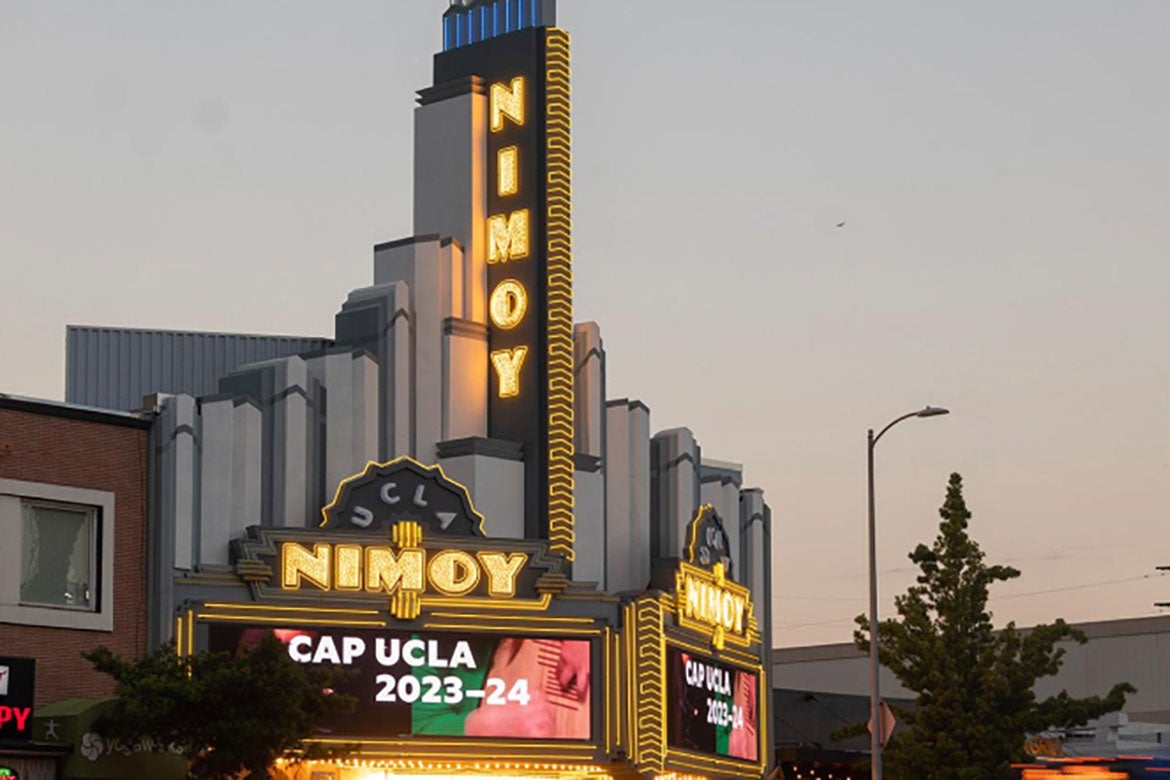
507 103
509 304
508 237
508 171
508 363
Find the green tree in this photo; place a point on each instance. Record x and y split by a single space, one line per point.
231 717
974 685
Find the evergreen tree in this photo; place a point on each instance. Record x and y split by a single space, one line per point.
975 700
231 717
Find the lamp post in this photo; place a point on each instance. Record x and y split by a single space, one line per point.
875 735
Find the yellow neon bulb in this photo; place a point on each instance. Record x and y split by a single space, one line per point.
371 466
507 102
509 304
274 608
508 236
508 171
508 363
179 636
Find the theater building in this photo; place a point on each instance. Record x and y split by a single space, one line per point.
441 496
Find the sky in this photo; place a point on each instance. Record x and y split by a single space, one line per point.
1002 170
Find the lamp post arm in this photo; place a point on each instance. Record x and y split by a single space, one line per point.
882 432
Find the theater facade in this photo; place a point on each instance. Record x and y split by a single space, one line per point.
473 654
440 497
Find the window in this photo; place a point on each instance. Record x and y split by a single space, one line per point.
59 556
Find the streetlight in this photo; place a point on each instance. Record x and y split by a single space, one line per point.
875 734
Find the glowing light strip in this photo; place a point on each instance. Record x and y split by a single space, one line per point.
522 628
179 636
680 755
561 520
528 606
618 689
631 691
702 765
690 755
417 742
584 621
269 608
190 632
286 621
607 705
422 769
650 664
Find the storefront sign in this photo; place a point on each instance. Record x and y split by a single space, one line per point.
712 707
17 697
443 684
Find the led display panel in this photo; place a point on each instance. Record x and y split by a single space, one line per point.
442 684
711 707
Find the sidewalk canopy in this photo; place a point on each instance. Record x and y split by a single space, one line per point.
94 757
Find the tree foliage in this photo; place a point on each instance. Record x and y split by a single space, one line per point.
231 717
974 685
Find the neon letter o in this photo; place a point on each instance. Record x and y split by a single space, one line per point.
509 304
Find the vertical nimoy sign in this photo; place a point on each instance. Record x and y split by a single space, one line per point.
528 236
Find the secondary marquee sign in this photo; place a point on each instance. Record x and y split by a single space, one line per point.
707 600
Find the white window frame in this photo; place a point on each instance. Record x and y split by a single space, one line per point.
93 521
13 495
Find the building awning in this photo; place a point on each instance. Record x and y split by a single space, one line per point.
71 723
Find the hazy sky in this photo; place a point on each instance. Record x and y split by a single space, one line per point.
1002 169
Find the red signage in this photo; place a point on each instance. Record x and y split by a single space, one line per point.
17 687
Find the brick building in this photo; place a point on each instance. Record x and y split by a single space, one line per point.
73 498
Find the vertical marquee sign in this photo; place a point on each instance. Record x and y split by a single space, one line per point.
528 231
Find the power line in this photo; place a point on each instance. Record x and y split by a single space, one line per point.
1085 586
1065 589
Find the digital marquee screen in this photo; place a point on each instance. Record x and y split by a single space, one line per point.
712 707
441 684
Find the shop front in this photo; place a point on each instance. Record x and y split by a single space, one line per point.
470 655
